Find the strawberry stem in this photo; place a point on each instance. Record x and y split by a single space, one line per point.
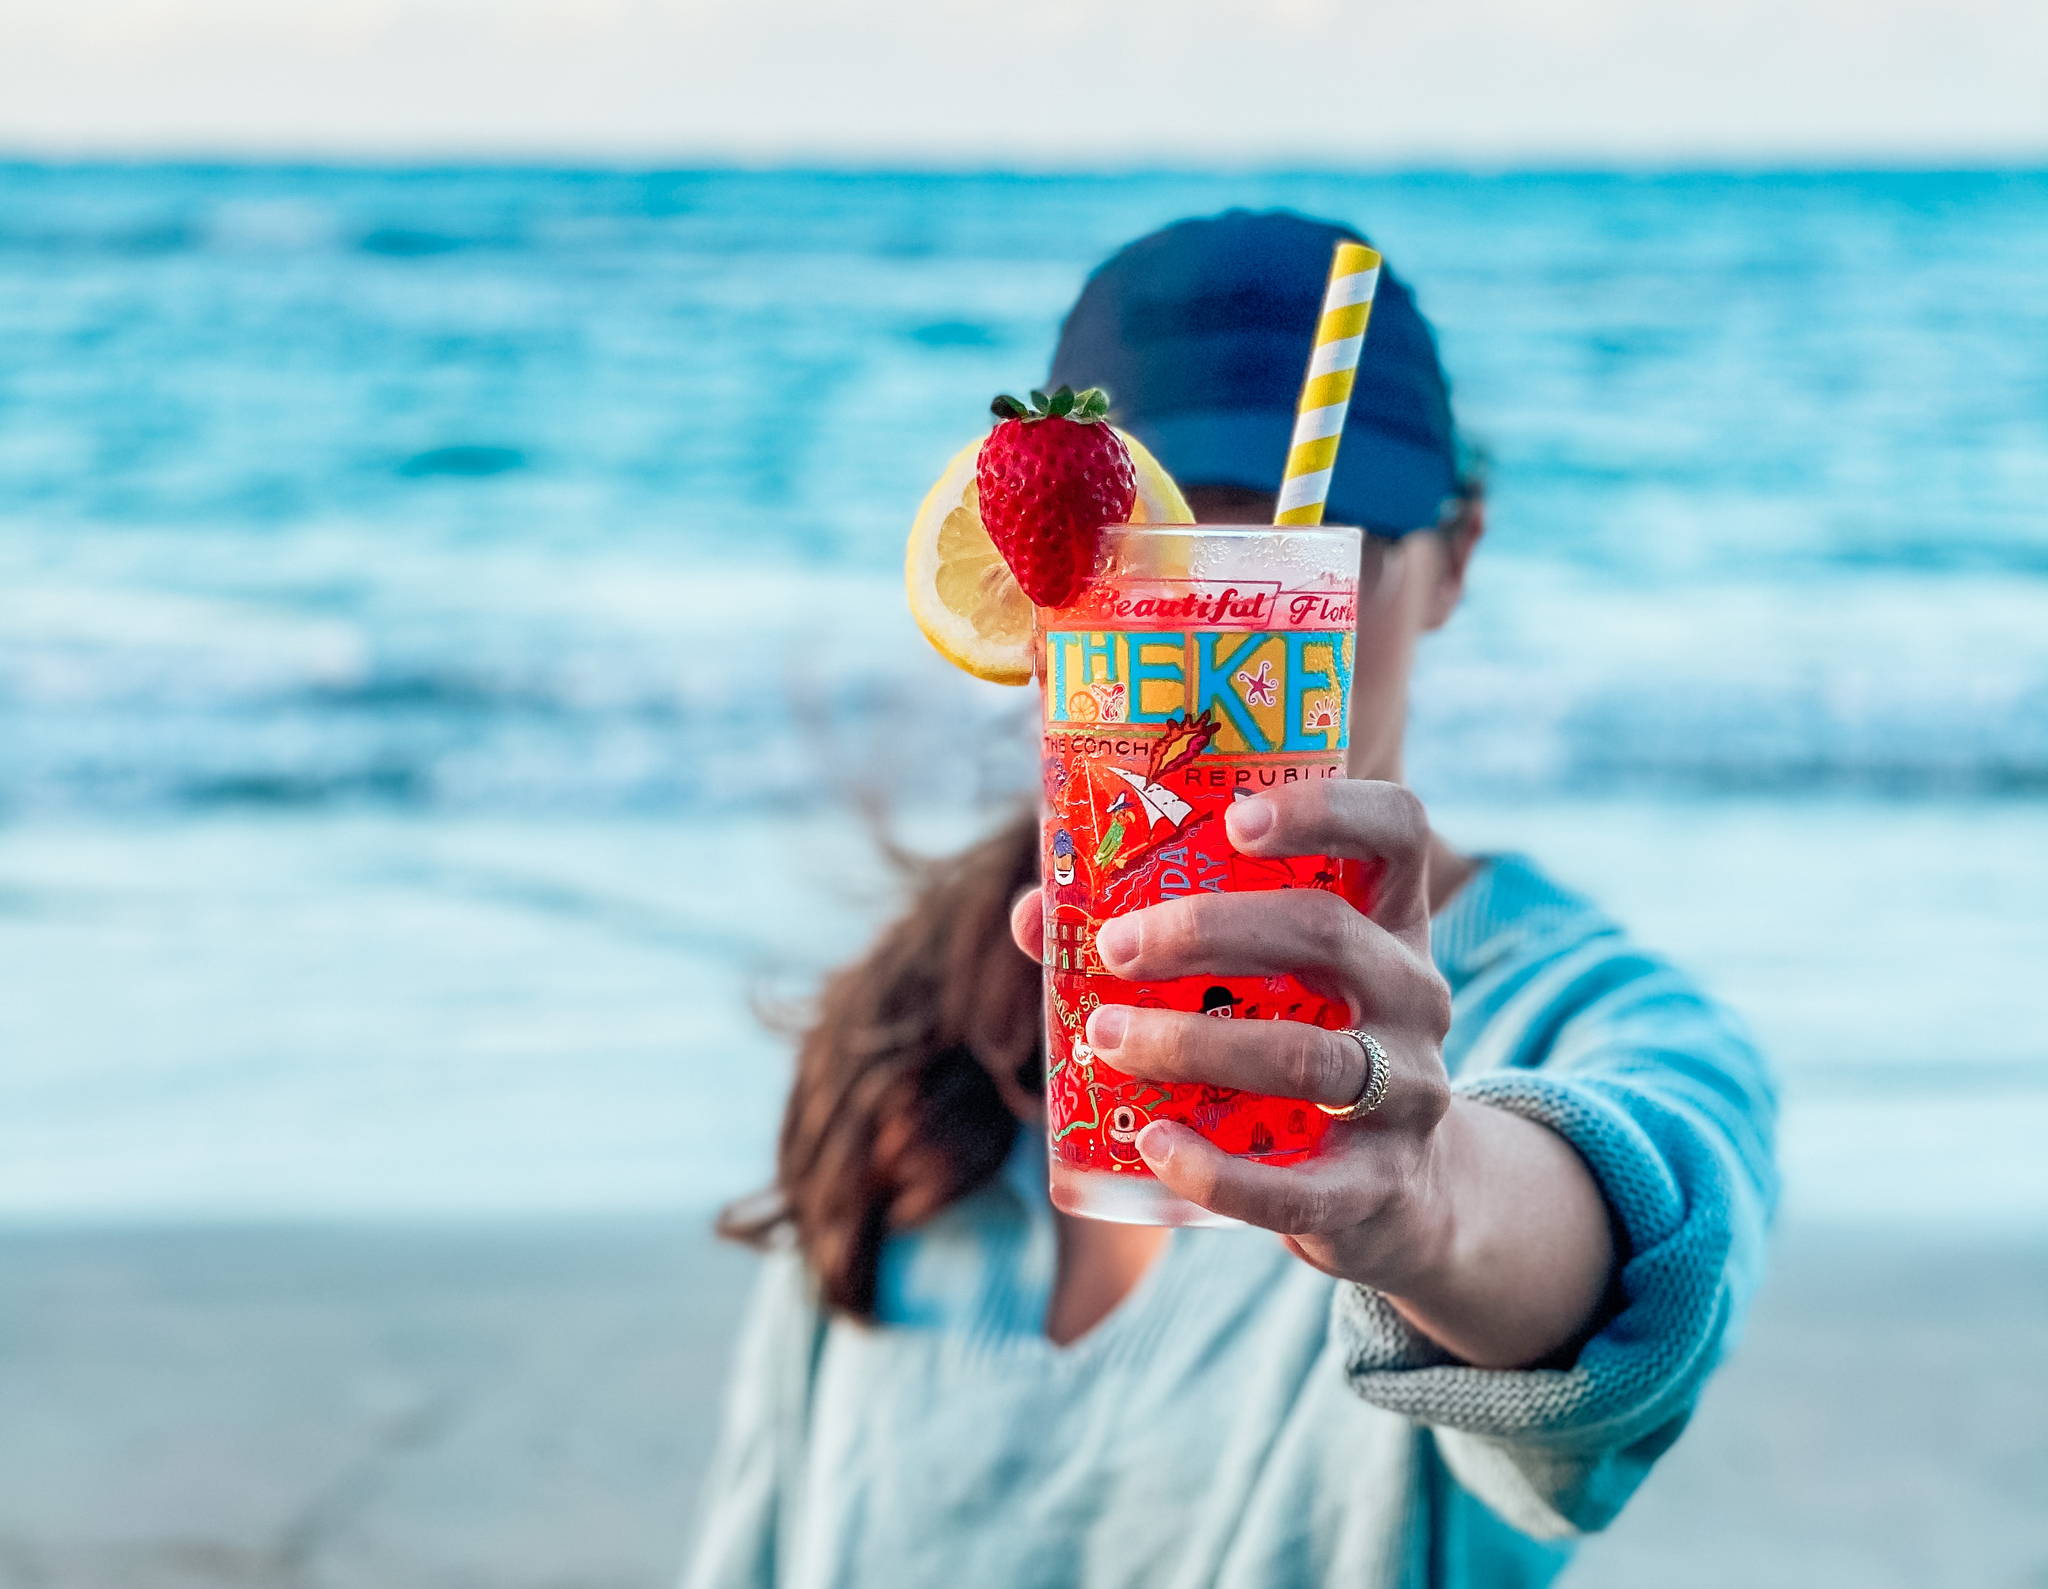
1087 407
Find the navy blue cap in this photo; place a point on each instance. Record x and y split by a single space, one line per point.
1201 335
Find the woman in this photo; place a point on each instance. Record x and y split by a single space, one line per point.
1489 1309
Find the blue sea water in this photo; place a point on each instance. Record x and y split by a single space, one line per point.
419 588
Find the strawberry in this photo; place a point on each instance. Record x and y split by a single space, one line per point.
1050 476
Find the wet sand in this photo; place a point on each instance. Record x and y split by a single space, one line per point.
530 1404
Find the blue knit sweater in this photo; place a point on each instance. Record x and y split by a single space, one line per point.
1240 1419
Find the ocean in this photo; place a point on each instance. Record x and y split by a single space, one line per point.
449 620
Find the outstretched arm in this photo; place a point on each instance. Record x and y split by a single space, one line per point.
1590 1198
1483 1228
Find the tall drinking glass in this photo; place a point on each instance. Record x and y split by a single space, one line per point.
1198 664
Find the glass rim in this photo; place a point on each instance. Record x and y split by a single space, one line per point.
1234 531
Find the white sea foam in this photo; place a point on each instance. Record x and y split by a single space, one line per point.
515 682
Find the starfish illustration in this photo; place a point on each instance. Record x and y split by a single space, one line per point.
1258 687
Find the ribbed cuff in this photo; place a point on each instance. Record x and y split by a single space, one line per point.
1668 1194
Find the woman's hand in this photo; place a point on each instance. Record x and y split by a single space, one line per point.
1417 1200
1374 1206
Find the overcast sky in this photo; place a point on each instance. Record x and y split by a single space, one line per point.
1095 82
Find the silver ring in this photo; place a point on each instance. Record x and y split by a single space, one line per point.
1374 1092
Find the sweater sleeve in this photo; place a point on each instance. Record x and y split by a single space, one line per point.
1671 1108
745 1506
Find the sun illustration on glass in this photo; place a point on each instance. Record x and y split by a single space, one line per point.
1321 712
1258 687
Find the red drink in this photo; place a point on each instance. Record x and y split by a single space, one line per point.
1197 666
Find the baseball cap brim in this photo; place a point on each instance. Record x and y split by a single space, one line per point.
1384 483
1200 333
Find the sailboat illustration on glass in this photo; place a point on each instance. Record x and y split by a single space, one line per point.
1147 796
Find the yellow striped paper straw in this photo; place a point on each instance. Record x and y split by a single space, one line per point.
1326 394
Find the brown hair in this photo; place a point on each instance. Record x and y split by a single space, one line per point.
911 1071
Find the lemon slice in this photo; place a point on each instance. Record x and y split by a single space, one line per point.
961 591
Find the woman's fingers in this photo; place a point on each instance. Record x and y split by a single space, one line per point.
1356 819
1296 1200
1286 1058
1304 932
1300 932
1027 922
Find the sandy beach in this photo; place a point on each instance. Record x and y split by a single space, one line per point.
529 1404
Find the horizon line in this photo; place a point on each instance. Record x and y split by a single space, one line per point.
880 164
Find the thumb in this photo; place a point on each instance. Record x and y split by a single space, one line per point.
1027 922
